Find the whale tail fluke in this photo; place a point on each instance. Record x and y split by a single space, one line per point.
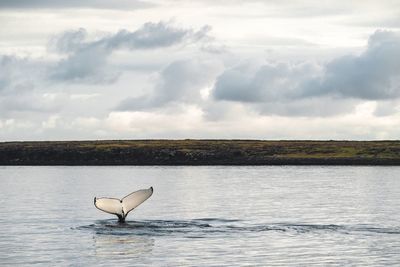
121 207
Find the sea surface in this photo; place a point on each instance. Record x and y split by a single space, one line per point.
202 216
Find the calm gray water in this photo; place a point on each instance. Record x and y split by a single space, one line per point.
202 216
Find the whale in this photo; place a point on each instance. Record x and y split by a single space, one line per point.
122 207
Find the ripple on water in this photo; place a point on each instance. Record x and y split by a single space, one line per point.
204 227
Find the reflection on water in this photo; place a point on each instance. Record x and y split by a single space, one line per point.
122 245
205 216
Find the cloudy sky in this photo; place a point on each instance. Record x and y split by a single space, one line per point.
131 69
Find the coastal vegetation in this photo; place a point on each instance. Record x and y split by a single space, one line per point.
200 152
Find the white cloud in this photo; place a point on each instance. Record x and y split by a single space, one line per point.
142 123
271 69
51 122
87 122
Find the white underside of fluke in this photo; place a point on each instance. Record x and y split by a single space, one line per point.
121 207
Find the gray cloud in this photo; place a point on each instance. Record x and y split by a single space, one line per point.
55 4
373 75
86 65
149 36
17 74
180 81
68 41
86 59
10 72
29 102
5 71
154 35
265 83
305 88
19 82
308 107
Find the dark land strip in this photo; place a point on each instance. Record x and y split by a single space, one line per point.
200 152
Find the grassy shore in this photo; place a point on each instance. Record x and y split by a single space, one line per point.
200 152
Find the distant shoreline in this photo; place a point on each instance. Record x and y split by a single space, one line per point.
200 152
